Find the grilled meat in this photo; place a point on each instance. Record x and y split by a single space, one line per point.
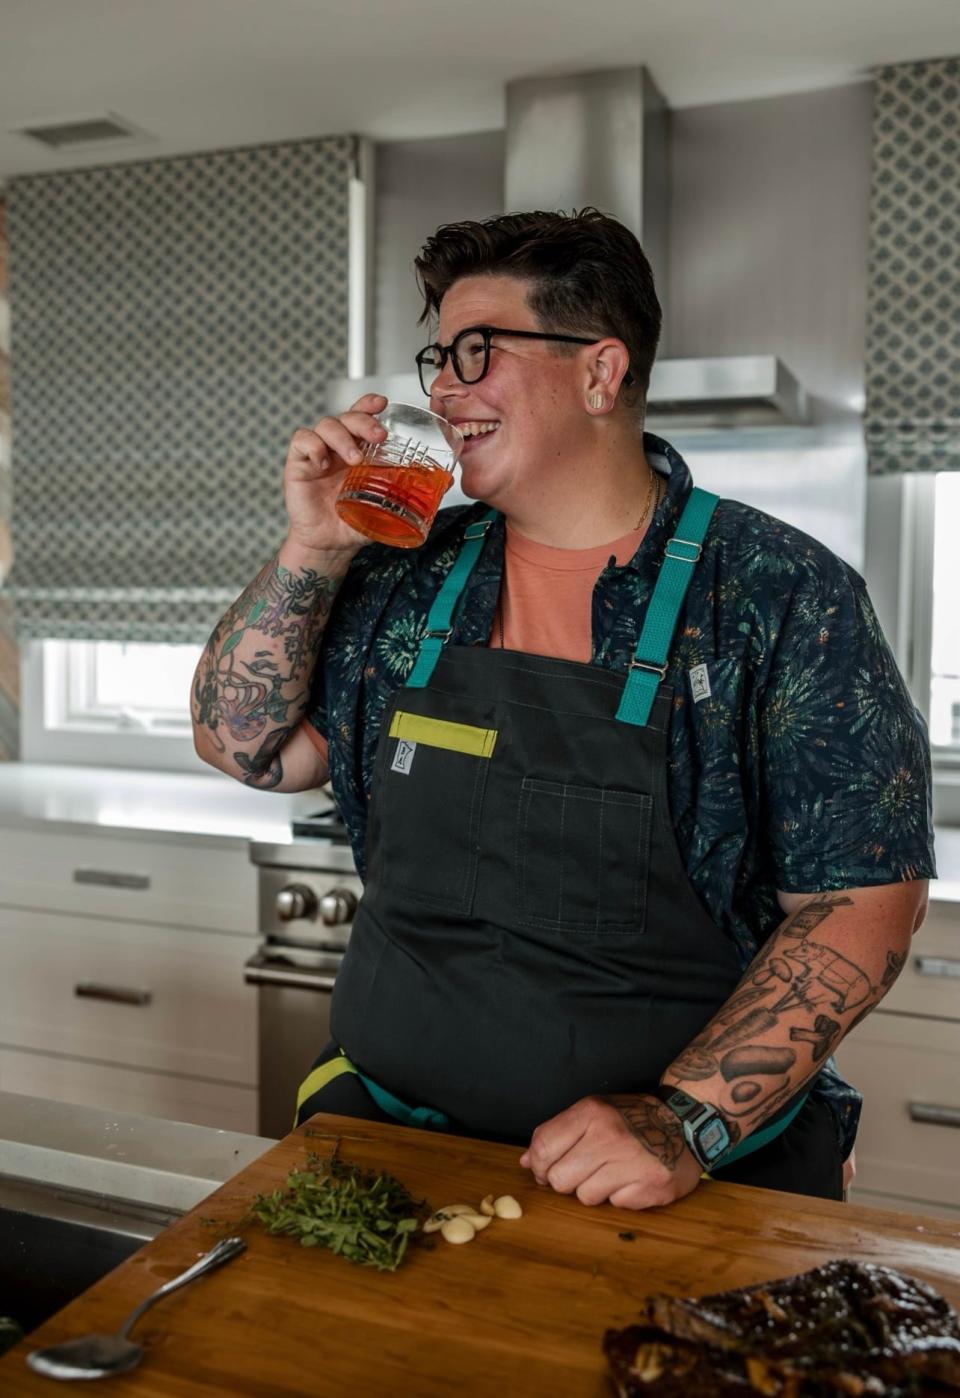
845 1328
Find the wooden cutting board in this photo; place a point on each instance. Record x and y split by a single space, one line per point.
520 1310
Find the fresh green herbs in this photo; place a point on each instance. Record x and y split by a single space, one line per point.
357 1213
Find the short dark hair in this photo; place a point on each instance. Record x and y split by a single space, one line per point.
587 272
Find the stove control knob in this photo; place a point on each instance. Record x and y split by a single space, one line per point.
296 900
338 906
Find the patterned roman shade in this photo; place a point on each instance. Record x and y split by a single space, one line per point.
173 323
913 323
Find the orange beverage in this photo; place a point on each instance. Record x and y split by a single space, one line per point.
393 504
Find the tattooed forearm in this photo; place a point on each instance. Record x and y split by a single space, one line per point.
796 1001
252 685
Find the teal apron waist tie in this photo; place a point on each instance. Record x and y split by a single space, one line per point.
647 670
324 1073
401 1111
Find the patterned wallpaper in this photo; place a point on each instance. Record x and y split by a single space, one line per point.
9 661
173 323
913 323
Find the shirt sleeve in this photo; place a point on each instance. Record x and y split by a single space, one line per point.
315 721
844 757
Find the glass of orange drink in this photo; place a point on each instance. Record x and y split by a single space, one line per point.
394 493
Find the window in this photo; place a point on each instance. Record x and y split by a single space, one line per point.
123 685
109 703
945 615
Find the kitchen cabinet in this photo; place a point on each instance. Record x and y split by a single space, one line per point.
905 1059
121 974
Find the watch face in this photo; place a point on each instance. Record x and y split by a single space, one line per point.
713 1139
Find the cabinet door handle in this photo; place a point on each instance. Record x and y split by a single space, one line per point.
108 878
937 966
116 994
932 1115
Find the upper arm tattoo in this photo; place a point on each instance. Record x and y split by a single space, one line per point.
263 693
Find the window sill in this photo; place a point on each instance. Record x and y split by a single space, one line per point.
946 792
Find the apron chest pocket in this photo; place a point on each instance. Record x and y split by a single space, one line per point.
583 856
433 778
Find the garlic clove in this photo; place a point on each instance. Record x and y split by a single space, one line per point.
507 1207
458 1230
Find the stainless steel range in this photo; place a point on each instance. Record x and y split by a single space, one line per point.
309 892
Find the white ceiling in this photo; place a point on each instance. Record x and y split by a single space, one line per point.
204 74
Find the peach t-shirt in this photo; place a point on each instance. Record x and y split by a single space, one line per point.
546 600
546 597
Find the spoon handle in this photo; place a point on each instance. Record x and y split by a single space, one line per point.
223 1252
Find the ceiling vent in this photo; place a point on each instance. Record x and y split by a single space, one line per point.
90 131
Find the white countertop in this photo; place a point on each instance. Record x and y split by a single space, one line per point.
168 805
142 1159
213 807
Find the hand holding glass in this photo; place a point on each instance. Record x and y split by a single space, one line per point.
394 494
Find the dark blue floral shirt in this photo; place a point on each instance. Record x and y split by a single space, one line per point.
806 767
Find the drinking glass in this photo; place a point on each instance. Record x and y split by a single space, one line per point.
394 493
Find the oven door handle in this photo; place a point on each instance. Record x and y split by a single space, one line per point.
260 970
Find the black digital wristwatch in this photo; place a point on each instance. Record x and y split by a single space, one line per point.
704 1129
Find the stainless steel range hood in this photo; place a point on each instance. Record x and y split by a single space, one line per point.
603 139
744 390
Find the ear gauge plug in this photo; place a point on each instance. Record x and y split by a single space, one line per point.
596 400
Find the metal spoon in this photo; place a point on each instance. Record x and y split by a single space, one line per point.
98 1356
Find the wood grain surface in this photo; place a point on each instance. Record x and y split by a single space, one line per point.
520 1310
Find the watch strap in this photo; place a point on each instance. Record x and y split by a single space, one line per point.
693 1115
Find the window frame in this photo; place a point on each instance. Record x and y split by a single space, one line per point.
58 724
899 576
920 502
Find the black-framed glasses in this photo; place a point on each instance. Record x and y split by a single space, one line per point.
469 352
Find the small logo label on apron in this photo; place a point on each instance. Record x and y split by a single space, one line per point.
403 757
699 683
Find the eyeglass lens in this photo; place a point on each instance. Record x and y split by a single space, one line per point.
470 353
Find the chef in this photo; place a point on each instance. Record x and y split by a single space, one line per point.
639 797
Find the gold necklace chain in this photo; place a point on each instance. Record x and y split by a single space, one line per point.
654 486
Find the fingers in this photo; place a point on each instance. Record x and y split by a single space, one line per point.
357 424
369 403
612 1179
307 446
341 437
552 1140
639 1196
589 1151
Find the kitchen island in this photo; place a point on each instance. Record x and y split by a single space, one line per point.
520 1310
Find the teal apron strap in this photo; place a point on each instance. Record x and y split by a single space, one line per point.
763 1136
649 664
445 603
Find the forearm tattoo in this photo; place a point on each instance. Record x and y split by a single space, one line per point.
244 691
798 985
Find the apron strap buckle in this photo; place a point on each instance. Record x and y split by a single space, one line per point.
443 634
695 550
660 670
477 529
